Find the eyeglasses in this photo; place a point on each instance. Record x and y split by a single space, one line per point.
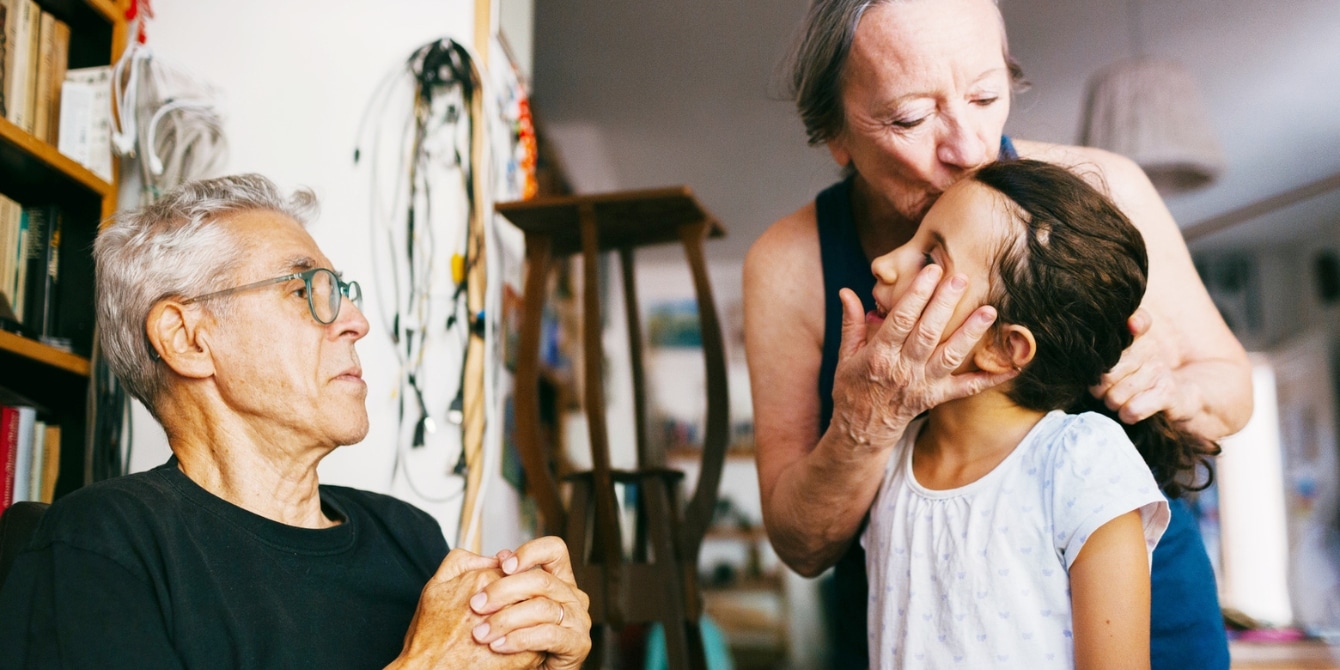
325 292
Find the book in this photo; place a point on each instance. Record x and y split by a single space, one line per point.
9 448
41 298
38 454
18 419
41 103
19 260
85 133
50 463
23 461
22 75
10 215
5 38
60 60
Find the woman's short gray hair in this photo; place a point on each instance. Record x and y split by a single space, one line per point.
172 248
820 57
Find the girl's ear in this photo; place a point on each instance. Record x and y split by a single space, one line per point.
174 332
1012 348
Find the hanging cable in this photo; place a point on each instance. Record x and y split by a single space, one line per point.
168 128
411 215
434 246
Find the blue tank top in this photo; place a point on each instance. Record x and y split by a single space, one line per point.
1187 628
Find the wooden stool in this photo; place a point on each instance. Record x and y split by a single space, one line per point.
659 582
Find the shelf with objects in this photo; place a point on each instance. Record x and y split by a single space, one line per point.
52 200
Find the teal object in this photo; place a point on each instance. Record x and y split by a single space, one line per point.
714 645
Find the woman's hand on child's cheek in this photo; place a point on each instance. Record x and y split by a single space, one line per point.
887 378
1142 382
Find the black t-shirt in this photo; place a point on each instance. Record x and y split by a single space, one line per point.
152 571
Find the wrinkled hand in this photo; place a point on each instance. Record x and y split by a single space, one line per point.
536 606
1142 383
903 369
441 633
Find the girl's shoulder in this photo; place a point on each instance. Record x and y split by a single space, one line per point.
1087 437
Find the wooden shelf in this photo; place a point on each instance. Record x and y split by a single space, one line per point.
765 583
41 353
38 169
111 11
1299 655
625 219
741 451
756 534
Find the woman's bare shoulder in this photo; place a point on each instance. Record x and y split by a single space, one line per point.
789 246
783 272
1114 174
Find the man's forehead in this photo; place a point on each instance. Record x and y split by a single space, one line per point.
275 241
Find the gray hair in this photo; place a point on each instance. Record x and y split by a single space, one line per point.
173 248
819 60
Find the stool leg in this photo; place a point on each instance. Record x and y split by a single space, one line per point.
661 527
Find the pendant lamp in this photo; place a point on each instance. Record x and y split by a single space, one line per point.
1150 110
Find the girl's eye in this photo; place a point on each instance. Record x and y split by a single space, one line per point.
926 259
986 102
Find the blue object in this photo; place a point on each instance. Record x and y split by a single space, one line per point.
714 646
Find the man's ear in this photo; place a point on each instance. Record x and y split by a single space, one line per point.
174 332
1011 347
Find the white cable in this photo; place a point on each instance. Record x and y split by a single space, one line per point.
166 120
125 98
155 162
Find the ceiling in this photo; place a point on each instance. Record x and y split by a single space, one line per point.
639 94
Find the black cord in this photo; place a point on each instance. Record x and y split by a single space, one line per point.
438 65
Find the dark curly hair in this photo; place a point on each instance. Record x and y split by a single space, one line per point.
1074 278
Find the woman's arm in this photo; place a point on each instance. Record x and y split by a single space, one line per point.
809 521
1109 594
1184 360
816 489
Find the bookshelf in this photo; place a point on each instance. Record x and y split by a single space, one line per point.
35 174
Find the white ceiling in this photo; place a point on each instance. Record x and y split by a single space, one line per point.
644 93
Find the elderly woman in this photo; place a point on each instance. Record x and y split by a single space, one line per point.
909 96
217 309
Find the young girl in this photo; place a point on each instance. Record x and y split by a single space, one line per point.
1014 527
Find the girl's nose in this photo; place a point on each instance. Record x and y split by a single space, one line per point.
885 269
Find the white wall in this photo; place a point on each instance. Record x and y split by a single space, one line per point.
295 78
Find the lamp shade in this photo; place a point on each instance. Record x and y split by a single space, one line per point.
1151 112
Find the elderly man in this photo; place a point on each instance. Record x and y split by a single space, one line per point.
219 312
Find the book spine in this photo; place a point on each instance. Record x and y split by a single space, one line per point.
100 141
9 240
9 447
38 459
18 284
22 76
76 104
85 133
23 461
50 463
60 60
5 37
11 39
41 100
51 277
36 300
